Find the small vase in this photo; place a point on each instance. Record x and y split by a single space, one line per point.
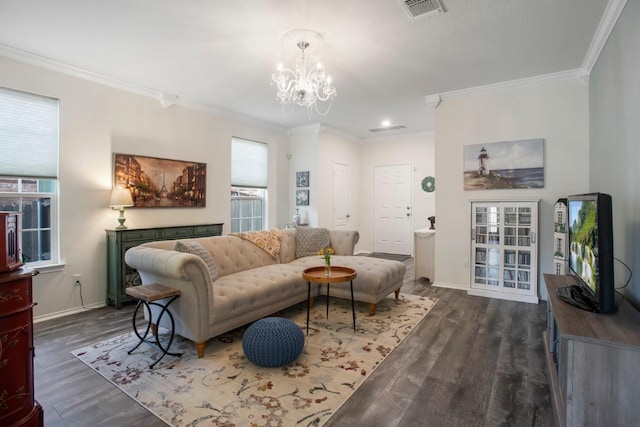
327 270
296 217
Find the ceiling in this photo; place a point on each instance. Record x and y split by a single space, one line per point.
220 54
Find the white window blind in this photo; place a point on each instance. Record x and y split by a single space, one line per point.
28 135
248 163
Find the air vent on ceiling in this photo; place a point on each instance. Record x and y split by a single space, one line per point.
394 127
422 8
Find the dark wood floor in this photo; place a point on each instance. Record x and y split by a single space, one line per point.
472 362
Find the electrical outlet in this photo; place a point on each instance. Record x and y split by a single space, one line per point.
76 279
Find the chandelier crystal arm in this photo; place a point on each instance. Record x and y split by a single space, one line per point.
305 86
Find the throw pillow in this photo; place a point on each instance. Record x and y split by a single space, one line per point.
310 240
195 248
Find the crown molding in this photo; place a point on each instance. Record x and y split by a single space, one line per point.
327 129
398 137
60 67
605 27
165 99
578 73
313 128
433 101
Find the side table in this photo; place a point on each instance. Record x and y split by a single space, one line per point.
147 295
338 275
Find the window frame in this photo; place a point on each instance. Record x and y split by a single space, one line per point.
249 174
30 129
239 220
54 225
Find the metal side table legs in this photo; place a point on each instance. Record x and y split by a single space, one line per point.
147 296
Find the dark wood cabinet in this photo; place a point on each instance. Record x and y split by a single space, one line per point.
119 275
17 401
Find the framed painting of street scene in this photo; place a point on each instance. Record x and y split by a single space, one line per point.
161 183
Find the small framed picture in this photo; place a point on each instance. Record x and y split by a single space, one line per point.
302 179
302 197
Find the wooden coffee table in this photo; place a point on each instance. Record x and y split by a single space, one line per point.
338 275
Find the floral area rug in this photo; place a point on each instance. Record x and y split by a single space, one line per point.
226 389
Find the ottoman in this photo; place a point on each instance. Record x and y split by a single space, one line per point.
273 341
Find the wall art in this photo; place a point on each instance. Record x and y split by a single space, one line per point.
302 197
504 165
302 179
161 183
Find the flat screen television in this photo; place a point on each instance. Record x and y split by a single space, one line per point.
591 253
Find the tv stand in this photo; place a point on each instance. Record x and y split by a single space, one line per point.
593 361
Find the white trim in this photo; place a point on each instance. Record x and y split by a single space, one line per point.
328 129
605 27
451 286
498 295
68 312
156 94
577 73
400 136
46 268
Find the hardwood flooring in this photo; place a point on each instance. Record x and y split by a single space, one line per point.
472 361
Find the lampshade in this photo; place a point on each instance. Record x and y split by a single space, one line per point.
120 197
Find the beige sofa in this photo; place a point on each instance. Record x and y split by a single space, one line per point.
251 284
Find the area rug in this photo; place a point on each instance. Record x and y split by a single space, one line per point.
225 389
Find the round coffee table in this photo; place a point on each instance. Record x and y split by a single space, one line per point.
338 275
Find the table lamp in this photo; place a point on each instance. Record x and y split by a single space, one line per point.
120 198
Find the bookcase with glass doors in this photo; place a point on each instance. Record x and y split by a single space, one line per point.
504 250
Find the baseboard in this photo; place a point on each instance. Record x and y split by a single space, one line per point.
499 295
450 286
68 312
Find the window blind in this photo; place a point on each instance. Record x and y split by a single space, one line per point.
248 163
28 135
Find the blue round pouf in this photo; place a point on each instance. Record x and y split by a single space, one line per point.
272 342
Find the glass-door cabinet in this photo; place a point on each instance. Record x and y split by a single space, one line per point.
504 250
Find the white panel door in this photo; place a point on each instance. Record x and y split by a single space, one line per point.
341 196
392 209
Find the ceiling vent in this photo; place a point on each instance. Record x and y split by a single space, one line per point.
394 127
417 9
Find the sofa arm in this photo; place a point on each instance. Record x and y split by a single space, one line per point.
344 241
183 271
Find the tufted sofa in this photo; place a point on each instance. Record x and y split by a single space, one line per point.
250 283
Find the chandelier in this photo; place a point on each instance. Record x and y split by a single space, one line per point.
307 84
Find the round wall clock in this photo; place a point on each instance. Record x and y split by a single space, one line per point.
429 184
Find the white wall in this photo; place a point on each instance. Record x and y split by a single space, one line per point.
95 122
414 149
557 112
303 150
615 146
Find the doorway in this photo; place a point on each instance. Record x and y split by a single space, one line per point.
341 196
392 209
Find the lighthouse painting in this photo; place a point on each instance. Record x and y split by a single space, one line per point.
504 165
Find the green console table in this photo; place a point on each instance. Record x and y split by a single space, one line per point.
119 275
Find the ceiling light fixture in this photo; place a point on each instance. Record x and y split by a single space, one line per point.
306 85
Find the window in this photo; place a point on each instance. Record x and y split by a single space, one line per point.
29 170
247 209
248 185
